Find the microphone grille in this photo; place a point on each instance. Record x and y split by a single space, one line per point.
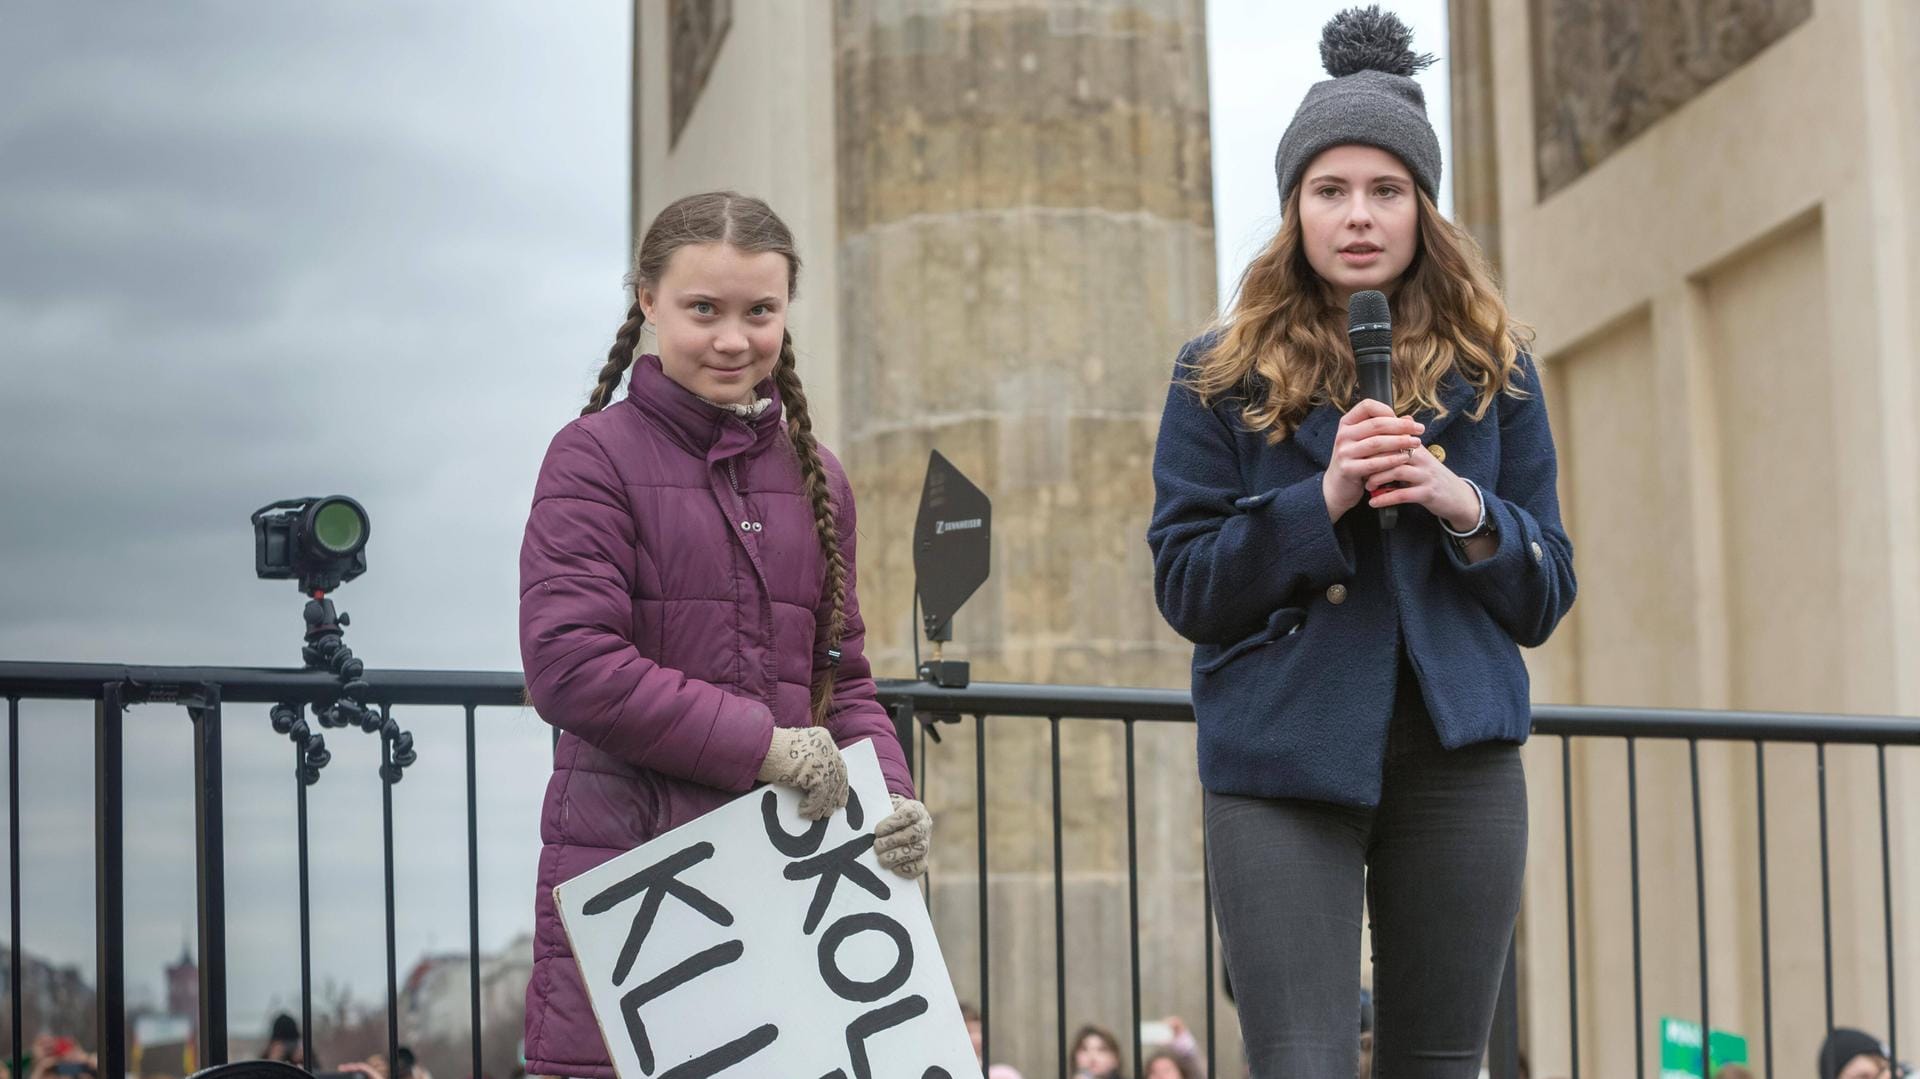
1369 320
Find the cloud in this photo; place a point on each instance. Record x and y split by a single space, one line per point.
258 251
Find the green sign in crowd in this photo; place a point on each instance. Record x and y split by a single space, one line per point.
1680 1049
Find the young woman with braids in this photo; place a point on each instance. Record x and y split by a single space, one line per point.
1359 690
687 608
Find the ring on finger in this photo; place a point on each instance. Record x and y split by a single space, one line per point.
1409 452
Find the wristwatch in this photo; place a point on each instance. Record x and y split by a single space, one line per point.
1481 527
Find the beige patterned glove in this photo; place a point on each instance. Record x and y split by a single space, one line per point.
806 758
904 837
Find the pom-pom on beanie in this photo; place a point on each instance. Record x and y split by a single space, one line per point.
1372 99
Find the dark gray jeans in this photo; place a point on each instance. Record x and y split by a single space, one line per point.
1440 861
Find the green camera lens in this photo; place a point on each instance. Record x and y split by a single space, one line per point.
339 527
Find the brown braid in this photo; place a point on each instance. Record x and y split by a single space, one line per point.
813 475
619 358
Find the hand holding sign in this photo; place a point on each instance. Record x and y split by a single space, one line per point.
806 758
902 839
757 938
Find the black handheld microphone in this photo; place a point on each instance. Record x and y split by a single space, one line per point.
1370 331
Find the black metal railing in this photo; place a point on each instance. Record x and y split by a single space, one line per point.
917 708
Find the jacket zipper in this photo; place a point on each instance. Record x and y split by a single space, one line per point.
771 668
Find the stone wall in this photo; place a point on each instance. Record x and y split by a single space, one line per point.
1604 72
1724 309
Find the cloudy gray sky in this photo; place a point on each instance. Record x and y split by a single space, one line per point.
253 251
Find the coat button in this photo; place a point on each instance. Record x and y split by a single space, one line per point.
1439 453
1336 593
1538 554
746 526
756 526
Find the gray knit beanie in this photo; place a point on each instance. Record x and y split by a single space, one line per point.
1371 99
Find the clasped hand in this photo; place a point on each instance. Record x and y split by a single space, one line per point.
1378 456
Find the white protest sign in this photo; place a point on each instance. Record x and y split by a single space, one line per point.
751 942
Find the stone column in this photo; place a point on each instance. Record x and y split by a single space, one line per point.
1026 238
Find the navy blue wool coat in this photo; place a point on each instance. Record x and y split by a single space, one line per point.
1297 620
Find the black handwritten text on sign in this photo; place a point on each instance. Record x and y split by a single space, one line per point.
656 883
828 869
752 942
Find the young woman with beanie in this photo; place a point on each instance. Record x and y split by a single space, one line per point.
1359 690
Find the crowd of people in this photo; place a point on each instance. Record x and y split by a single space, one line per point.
1096 1053
57 1056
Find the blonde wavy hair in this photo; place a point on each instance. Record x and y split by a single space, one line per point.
1282 348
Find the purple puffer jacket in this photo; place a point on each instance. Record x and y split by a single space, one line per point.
671 605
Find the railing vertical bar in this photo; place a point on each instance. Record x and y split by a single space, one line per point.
1059 900
1133 892
1700 907
901 713
16 1066
1886 905
386 838
473 892
980 820
926 799
1766 928
1573 952
211 877
306 912
1633 862
1826 887
109 883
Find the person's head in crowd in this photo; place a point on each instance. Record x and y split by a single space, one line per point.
1733 1071
283 1041
1096 1053
1854 1054
1167 1064
975 1032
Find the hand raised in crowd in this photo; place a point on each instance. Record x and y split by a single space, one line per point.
903 837
60 1056
374 1067
806 758
1370 441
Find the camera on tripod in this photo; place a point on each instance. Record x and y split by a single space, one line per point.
320 542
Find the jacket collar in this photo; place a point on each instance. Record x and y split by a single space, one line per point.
703 428
1315 433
